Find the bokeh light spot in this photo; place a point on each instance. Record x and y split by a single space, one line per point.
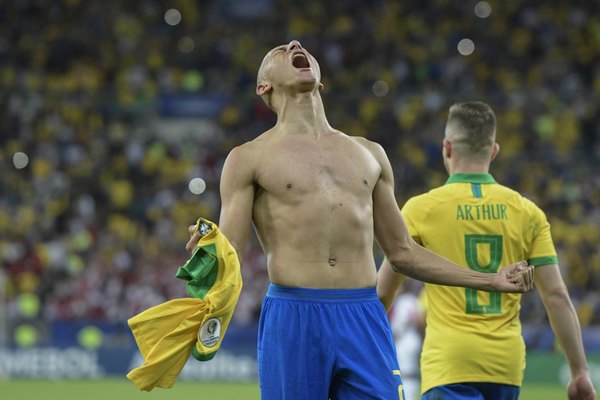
197 185
380 88
25 335
186 44
90 337
466 47
483 9
29 305
20 160
172 17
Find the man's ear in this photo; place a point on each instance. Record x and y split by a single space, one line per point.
495 151
263 88
321 87
447 148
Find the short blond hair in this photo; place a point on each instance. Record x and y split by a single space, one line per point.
261 76
471 127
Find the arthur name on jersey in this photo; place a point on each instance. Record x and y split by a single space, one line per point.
476 212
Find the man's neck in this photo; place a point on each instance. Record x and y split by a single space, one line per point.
469 168
302 113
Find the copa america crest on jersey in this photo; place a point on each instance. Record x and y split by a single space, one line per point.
210 331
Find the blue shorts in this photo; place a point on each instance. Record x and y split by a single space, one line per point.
473 391
319 344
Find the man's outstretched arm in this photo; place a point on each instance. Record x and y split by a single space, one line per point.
388 283
565 325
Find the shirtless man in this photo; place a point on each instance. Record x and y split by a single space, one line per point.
318 198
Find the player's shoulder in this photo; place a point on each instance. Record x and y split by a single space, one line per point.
518 199
246 153
434 195
423 201
254 146
421 205
374 148
363 141
512 194
242 151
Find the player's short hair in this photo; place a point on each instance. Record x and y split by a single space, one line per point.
471 127
261 76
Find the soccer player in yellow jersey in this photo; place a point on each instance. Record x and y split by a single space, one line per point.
473 346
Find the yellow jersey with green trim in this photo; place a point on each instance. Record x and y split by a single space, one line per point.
168 333
471 335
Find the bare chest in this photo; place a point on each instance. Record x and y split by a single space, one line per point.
300 169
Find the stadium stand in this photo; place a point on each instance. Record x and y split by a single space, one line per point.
109 109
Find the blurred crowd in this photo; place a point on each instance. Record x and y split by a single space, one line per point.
94 192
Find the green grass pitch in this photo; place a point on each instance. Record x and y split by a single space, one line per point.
121 389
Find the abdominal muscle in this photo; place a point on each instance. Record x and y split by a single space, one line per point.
317 244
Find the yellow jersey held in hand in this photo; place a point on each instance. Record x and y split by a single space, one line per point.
168 333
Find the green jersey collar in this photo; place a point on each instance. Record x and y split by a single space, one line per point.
471 178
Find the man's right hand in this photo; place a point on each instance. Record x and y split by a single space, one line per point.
581 388
516 278
194 238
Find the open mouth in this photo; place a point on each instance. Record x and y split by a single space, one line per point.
299 60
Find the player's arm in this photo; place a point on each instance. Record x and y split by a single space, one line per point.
409 258
237 198
565 325
388 283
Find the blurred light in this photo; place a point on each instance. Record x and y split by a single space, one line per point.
466 47
380 88
192 81
29 305
25 335
82 240
197 185
172 17
20 160
186 44
483 9
90 337
75 264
